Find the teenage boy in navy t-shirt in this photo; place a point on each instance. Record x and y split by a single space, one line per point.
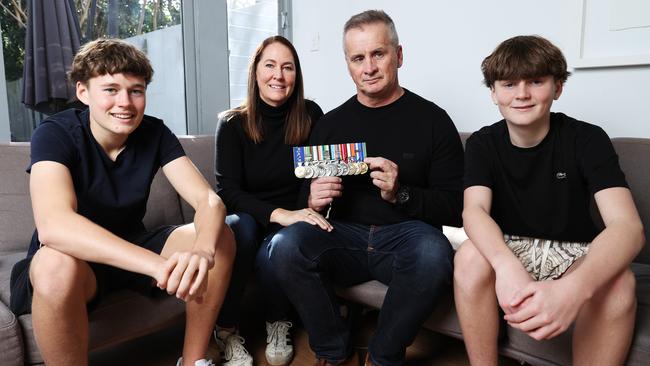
90 176
529 180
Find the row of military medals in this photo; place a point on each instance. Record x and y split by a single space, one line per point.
330 160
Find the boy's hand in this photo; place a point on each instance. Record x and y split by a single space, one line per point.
322 192
550 308
184 274
511 278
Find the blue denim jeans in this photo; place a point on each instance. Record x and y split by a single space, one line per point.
252 255
412 258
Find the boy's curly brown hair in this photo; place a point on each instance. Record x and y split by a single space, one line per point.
109 56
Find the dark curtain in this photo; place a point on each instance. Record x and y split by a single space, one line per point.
52 39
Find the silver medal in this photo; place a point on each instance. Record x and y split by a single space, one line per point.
309 172
318 171
332 170
344 169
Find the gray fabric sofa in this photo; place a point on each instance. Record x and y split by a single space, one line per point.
126 315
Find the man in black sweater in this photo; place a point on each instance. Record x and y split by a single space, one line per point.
387 225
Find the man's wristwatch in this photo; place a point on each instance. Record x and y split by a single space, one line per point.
403 194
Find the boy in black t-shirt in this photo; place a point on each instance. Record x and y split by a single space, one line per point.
529 180
90 176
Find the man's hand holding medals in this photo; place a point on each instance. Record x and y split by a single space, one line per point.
327 163
384 174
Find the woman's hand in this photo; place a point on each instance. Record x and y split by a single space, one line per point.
287 217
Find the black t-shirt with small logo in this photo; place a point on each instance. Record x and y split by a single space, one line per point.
544 191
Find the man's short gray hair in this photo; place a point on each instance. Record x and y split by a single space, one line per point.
370 17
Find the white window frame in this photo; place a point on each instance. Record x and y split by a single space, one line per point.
205 43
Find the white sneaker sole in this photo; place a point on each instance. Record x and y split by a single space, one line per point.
278 360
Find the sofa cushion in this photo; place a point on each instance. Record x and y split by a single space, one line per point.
16 222
11 345
633 153
11 339
443 319
640 352
556 351
121 316
163 206
6 264
369 293
134 315
200 149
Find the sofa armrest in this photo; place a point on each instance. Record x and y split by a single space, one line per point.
11 338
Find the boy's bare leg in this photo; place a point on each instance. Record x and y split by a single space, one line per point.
201 317
62 287
476 304
605 325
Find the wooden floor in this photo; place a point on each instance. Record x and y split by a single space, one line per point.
164 347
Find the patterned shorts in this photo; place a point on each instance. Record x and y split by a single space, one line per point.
545 259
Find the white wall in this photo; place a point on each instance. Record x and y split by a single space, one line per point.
444 43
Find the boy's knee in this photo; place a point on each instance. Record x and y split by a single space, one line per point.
56 275
620 296
471 269
227 248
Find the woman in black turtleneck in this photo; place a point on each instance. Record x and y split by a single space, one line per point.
255 179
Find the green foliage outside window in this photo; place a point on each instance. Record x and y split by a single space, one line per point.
133 17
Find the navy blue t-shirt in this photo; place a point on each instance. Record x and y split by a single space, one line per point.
112 194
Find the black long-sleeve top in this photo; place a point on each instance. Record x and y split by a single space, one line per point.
258 178
420 138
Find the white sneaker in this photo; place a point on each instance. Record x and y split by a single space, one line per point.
201 362
231 347
279 350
